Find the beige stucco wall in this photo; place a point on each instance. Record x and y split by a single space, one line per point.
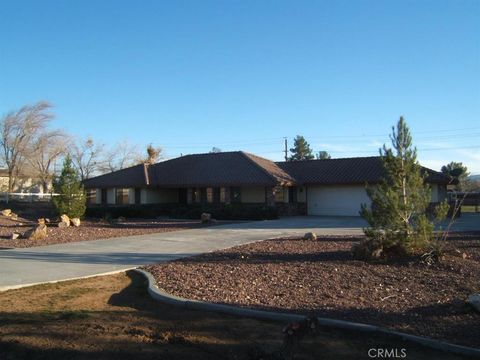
253 194
111 196
158 196
301 194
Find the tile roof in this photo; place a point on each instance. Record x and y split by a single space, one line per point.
218 169
239 168
357 170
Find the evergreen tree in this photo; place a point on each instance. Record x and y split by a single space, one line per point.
322 155
457 171
301 150
397 218
71 198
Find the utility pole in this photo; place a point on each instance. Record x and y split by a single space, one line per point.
286 149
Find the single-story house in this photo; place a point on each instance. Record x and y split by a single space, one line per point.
312 187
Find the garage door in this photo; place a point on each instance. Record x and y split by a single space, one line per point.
336 200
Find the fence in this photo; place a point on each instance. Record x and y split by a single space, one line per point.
26 197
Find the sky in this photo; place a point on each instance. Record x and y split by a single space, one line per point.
242 75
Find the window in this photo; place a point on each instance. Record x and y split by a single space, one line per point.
222 195
235 194
209 195
292 194
182 196
121 196
91 196
279 194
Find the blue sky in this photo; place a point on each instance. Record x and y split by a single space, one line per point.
241 75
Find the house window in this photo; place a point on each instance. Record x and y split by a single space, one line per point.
104 196
182 196
279 194
292 194
235 194
91 196
222 195
209 195
121 196
138 196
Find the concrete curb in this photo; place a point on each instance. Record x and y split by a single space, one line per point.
21 286
160 295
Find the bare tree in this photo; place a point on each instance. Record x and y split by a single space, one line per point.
18 130
123 154
86 157
46 148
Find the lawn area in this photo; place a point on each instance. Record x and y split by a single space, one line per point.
90 229
321 277
112 317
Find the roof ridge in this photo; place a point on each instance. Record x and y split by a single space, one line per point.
247 156
312 160
250 157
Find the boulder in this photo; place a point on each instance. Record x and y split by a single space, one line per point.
63 224
64 221
474 301
6 212
75 222
41 221
206 218
13 216
121 218
37 233
311 236
15 235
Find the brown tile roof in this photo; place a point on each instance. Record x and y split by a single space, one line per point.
218 169
238 168
130 177
358 170
212 169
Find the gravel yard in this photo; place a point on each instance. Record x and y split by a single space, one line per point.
321 277
90 229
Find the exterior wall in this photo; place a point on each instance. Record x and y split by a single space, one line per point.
98 196
434 193
301 194
111 196
158 196
253 194
131 196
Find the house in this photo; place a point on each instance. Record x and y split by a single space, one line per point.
24 183
312 187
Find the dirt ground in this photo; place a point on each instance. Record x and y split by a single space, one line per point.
320 277
112 317
90 229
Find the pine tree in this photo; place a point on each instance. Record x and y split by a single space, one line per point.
323 155
71 198
301 150
397 217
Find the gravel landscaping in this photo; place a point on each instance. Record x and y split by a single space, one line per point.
320 277
90 229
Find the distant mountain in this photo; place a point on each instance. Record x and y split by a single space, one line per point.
474 177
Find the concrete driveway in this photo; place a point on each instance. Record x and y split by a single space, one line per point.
21 267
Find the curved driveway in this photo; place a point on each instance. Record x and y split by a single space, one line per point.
21 267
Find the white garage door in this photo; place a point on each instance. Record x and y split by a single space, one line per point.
336 200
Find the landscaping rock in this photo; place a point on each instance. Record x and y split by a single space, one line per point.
75 222
41 221
474 301
311 236
37 233
6 212
13 216
15 235
64 221
63 224
206 218
121 219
